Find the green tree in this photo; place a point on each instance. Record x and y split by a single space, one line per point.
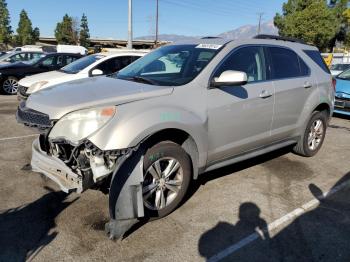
310 20
64 32
84 32
24 30
5 28
339 8
346 16
36 34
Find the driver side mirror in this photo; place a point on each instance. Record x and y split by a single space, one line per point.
230 78
96 72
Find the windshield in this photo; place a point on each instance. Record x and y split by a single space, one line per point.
340 67
5 56
345 75
172 65
81 64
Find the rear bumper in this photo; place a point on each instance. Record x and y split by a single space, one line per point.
55 169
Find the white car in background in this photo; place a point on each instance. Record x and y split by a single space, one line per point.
89 66
336 69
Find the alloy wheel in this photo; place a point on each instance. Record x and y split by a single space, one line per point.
10 86
162 183
315 134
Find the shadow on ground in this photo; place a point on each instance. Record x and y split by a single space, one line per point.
321 234
25 230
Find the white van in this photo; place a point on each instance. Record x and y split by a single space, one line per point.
75 49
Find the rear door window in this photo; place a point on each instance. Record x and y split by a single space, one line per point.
285 63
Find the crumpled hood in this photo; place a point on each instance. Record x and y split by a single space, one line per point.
56 101
48 76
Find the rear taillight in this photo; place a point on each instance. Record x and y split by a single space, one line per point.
334 82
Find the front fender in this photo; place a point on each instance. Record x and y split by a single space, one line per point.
128 129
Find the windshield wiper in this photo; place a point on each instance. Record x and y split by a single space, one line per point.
143 80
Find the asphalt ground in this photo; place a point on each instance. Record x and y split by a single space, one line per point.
277 207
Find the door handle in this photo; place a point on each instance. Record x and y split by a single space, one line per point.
265 94
307 85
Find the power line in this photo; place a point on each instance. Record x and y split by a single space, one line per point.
191 7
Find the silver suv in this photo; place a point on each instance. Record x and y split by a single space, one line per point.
187 108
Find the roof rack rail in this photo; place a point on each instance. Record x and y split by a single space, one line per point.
281 38
211 37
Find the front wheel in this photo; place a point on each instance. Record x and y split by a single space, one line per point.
10 85
312 139
167 175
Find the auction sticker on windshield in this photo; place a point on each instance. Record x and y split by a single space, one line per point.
209 46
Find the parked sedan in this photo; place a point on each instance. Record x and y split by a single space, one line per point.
13 57
89 66
10 74
342 95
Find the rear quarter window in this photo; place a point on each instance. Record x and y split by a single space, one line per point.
317 58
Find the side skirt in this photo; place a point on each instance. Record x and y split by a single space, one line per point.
251 154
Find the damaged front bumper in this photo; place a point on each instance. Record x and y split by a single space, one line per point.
55 169
78 167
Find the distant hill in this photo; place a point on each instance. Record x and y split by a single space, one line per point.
249 31
243 32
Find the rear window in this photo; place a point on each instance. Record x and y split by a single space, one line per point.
287 64
317 58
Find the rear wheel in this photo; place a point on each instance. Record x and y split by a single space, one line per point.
314 134
10 85
167 175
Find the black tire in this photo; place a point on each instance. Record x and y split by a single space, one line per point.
8 84
159 152
302 148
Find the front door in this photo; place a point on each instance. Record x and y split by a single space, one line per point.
240 117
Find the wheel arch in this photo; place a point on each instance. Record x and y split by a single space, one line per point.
323 107
180 137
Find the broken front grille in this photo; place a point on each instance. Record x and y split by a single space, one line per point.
32 118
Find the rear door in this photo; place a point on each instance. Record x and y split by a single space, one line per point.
293 84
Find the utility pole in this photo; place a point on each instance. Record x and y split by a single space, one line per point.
260 19
157 17
129 46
